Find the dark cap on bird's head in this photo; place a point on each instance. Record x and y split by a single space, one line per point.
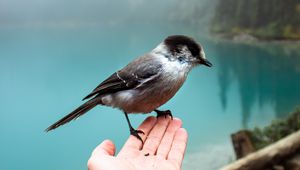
176 42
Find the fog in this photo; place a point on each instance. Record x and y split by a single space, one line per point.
44 13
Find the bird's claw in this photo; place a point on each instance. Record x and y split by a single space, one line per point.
135 133
164 113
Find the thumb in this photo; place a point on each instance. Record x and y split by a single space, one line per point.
107 148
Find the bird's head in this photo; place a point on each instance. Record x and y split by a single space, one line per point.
186 49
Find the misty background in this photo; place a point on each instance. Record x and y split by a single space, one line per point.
52 53
45 13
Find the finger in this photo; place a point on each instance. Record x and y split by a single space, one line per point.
153 140
135 143
100 154
166 143
105 148
178 147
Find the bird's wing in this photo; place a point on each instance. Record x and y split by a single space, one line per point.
132 76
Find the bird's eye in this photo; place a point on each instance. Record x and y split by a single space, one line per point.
181 58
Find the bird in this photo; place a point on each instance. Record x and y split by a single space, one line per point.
147 82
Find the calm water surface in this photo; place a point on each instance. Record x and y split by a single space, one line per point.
45 72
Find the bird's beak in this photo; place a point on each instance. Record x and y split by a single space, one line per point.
206 62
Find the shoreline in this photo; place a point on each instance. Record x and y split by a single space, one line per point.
248 38
288 46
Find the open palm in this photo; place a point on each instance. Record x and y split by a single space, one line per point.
163 148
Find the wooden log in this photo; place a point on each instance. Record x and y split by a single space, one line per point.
242 143
268 156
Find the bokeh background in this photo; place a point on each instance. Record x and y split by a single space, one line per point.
54 52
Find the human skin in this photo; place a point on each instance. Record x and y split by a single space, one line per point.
164 147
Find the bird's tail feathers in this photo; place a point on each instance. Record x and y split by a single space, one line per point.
75 114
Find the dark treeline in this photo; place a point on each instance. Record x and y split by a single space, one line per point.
266 19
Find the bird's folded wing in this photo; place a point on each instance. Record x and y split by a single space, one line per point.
126 79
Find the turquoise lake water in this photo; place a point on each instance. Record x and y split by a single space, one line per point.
46 71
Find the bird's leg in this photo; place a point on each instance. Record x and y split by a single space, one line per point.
133 131
163 113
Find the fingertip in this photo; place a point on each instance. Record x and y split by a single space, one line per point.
108 143
107 147
177 121
150 119
148 123
182 132
176 118
163 119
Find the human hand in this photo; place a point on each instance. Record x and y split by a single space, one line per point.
164 146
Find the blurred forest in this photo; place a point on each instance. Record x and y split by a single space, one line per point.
263 19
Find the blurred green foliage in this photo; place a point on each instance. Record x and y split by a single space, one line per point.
264 19
277 130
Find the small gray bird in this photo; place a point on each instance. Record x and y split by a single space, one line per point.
147 82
